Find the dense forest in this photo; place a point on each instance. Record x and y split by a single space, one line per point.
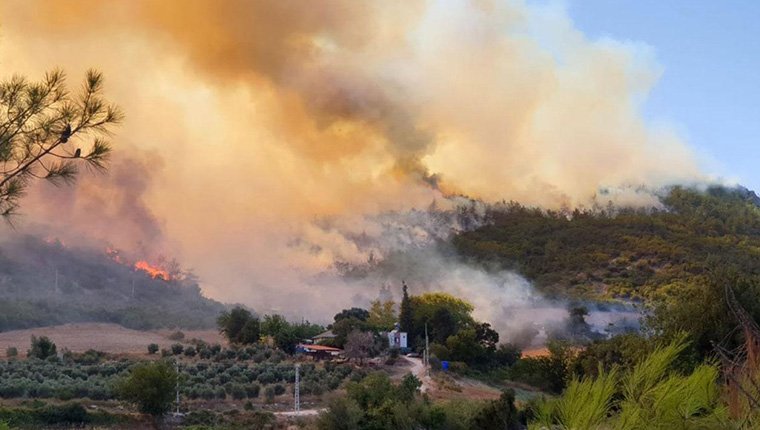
622 253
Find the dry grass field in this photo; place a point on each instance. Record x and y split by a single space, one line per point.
110 338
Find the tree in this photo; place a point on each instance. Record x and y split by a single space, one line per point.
406 313
42 348
152 348
486 336
409 386
382 315
150 386
442 325
11 352
498 414
427 307
344 327
342 414
273 324
356 313
239 326
42 128
359 345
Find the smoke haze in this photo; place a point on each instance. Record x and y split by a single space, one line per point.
263 137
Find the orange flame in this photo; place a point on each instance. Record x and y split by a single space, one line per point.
153 271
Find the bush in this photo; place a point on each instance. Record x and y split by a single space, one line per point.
11 352
177 349
342 414
150 386
152 348
252 390
42 348
269 393
177 335
190 351
279 390
72 413
237 391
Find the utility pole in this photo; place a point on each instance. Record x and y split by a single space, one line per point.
297 389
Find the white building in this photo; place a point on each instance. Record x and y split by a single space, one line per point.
397 339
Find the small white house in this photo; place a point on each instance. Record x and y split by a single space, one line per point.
397 339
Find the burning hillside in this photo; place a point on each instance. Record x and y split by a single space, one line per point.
45 283
162 268
155 272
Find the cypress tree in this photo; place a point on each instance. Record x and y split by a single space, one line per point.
406 314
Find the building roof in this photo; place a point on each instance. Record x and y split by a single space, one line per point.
319 348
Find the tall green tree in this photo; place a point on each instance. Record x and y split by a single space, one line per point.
406 313
382 315
48 133
42 348
239 326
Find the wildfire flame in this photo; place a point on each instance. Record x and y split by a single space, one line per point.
156 271
153 271
113 254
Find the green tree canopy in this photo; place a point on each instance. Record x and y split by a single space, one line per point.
239 326
382 315
42 348
150 386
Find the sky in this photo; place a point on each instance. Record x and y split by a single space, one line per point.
265 140
710 86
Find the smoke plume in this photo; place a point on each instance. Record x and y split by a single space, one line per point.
267 121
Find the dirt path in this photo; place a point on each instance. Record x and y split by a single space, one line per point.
418 370
301 413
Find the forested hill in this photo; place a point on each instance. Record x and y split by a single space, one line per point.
47 283
625 253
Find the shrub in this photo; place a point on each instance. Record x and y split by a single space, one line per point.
152 348
177 349
190 351
237 391
11 352
252 390
42 348
150 386
177 335
279 390
269 393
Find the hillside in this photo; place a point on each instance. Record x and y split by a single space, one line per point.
622 253
46 283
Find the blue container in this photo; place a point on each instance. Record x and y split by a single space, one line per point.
445 365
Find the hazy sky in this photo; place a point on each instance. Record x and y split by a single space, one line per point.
710 86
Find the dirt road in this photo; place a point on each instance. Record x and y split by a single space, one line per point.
418 370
